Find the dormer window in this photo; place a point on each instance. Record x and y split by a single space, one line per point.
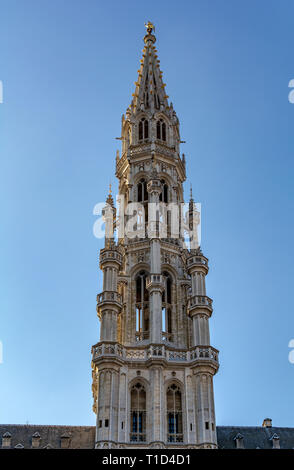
143 129
161 130
6 439
36 439
239 440
275 441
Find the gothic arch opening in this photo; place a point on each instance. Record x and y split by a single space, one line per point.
142 197
174 413
142 307
163 197
143 129
161 130
138 413
142 194
167 308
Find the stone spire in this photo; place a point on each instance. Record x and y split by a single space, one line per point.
154 360
150 89
109 214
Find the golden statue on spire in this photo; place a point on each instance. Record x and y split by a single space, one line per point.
150 27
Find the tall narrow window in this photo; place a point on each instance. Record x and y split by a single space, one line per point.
174 414
143 129
142 196
142 191
142 307
146 94
161 130
164 193
166 308
138 413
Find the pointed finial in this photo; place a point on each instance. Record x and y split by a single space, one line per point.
109 199
149 27
191 193
150 30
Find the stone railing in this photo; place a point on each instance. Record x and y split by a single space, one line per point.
110 255
154 280
128 353
109 296
200 301
197 261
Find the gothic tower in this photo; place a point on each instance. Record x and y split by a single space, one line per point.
153 367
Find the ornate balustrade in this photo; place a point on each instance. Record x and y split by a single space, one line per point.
128 353
154 280
110 255
199 260
200 301
109 296
108 299
196 262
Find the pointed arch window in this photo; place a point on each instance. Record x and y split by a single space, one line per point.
143 129
174 414
167 308
138 413
142 307
142 196
156 100
146 99
161 130
142 191
146 94
164 193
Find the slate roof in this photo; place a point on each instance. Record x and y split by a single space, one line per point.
83 437
254 437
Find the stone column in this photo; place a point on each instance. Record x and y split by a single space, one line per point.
204 405
200 306
107 411
155 281
157 412
109 301
122 417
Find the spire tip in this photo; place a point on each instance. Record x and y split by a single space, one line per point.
149 27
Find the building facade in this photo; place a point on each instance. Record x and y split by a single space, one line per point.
153 367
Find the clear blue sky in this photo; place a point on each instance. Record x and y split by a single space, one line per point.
68 69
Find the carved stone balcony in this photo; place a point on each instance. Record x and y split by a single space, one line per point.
154 281
154 185
199 304
200 354
109 299
197 261
107 256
